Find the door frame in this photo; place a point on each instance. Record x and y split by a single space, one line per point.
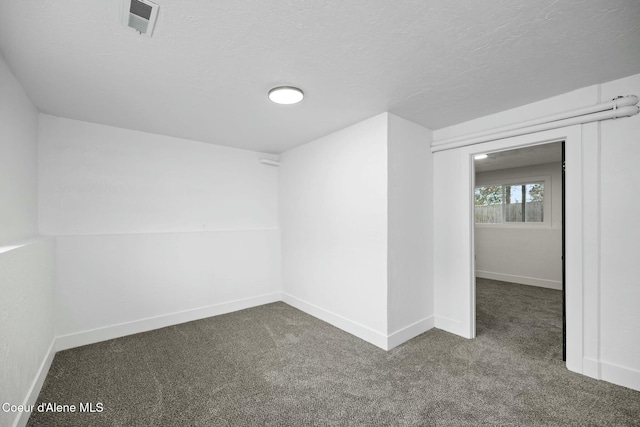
580 152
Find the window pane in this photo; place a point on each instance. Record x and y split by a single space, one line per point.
513 203
509 203
534 206
524 202
488 204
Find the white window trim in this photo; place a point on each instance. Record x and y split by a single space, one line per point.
546 179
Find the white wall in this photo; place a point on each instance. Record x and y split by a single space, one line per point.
602 299
452 243
410 230
355 212
26 323
97 179
26 261
18 161
530 254
118 284
619 237
153 230
333 216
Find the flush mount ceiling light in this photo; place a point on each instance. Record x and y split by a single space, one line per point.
480 156
286 95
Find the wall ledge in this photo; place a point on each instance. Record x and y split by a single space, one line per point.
155 232
23 242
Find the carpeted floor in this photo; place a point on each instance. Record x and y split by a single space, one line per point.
276 366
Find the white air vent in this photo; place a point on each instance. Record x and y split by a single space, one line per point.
140 15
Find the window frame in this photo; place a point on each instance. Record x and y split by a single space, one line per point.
546 211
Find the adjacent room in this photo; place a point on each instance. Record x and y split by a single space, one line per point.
518 246
278 213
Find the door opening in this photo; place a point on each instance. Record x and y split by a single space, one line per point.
519 229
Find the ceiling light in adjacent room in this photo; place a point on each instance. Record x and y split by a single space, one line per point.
480 156
286 95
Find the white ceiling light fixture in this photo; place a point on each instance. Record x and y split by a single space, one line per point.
480 156
286 95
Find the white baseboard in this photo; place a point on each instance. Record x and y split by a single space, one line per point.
143 325
452 326
591 368
36 386
408 332
610 372
620 375
523 280
363 332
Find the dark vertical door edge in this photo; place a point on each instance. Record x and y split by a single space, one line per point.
564 292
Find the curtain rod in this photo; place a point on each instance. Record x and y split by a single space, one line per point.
622 106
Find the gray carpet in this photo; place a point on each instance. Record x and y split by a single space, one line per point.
276 366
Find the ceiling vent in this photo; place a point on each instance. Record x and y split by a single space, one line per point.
140 15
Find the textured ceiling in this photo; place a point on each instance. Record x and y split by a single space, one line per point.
205 72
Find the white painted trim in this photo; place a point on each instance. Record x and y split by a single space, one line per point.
354 328
575 212
452 326
591 234
176 231
471 236
591 368
523 280
32 394
577 207
619 107
620 375
143 325
411 331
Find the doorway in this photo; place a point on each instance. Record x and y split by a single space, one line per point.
518 236
453 238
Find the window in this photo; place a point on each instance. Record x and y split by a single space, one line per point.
510 203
